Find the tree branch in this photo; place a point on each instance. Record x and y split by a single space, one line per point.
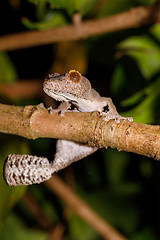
82 209
133 18
35 122
21 89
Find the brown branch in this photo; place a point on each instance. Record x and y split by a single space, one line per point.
55 231
21 89
134 18
35 122
83 210
36 210
58 232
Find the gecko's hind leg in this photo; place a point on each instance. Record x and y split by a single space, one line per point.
68 152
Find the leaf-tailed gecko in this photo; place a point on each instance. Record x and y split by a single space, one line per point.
71 89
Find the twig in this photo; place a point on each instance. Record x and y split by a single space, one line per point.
58 232
21 89
83 210
35 122
37 211
133 18
55 231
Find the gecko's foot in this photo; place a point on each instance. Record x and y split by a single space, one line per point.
60 112
108 116
52 110
129 118
41 105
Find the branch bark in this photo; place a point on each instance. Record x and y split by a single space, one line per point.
35 122
133 18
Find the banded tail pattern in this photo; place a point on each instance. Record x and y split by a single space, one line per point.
26 170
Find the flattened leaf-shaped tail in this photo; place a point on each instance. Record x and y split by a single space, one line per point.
26 170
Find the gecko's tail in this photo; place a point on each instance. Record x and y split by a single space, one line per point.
26 170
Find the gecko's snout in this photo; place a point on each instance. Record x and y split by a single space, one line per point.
48 83
51 84
44 84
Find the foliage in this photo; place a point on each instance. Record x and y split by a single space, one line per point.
121 187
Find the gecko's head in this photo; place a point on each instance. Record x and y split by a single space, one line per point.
70 86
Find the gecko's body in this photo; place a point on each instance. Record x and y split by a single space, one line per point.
72 89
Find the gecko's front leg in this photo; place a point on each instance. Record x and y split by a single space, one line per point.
62 109
110 112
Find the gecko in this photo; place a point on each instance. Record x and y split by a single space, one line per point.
70 88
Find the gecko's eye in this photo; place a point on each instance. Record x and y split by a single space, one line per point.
74 76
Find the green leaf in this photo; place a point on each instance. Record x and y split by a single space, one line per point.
80 230
155 30
52 20
86 7
7 69
134 99
115 173
146 53
111 7
70 5
146 110
127 78
15 230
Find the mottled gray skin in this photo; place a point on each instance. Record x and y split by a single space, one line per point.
73 88
70 88
80 93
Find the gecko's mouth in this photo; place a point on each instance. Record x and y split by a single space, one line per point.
60 95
